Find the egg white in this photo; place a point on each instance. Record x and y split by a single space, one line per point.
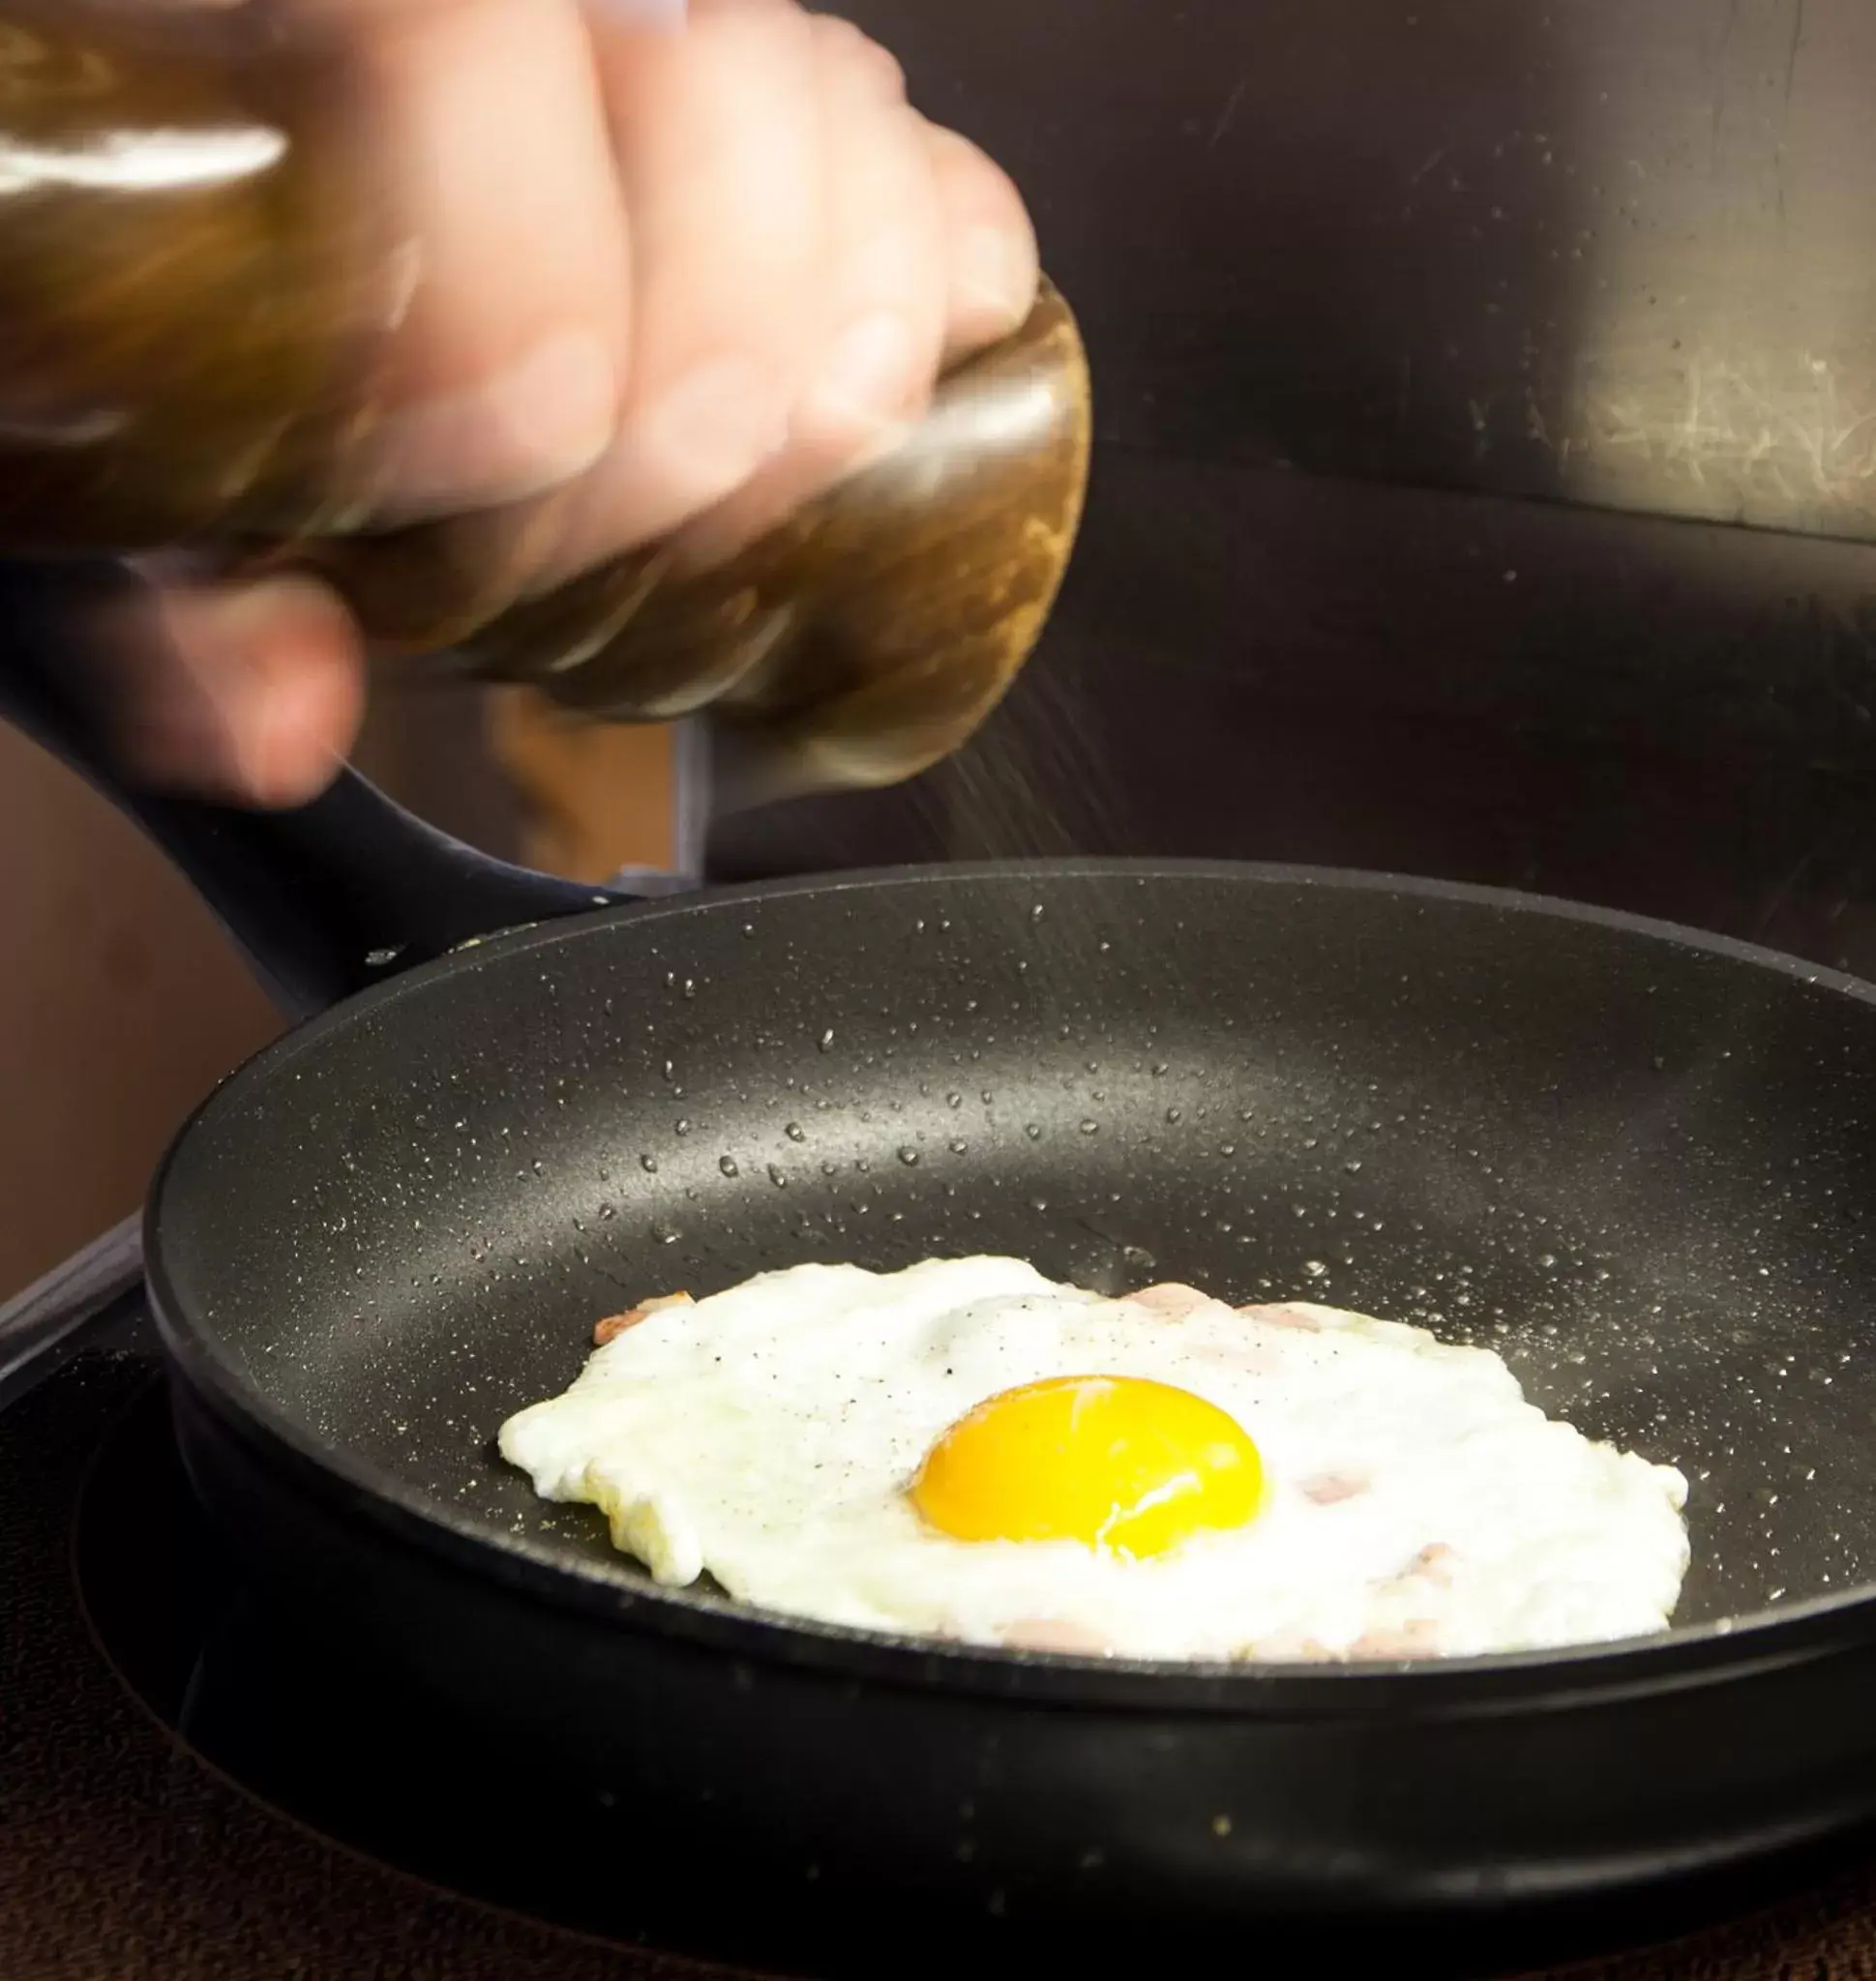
1415 1504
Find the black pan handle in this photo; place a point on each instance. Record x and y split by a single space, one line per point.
324 900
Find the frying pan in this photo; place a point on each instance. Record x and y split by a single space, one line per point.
1636 1160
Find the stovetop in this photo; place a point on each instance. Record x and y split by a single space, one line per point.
189 1789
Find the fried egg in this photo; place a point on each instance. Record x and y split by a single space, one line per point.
967 1450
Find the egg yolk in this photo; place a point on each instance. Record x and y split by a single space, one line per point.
1118 1463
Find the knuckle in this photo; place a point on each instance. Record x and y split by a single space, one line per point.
840 44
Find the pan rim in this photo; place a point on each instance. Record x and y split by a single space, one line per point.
1697 1654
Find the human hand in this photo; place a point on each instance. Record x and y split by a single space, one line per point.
666 279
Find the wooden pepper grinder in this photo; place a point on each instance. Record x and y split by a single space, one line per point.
190 299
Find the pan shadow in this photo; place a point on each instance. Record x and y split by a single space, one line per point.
298 1722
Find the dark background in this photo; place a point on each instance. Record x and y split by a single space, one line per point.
1486 416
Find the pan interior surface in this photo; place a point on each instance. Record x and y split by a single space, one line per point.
1637 1165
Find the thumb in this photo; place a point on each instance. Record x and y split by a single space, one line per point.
250 692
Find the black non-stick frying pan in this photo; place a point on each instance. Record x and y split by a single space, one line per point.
1640 1161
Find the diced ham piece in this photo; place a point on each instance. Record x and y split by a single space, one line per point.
1287 1648
1170 1300
1281 1313
1417 1638
1054 1634
616 1324
1434 1564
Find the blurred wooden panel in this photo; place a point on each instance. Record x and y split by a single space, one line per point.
120 1005
592 797
121 1002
